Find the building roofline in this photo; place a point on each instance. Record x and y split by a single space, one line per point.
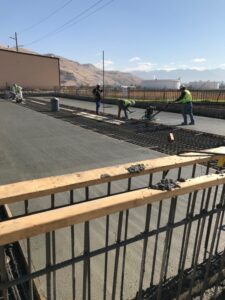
24 53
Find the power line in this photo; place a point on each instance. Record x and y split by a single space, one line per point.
46 18
85 17
79 15
73 21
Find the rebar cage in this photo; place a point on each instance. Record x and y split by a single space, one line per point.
145 230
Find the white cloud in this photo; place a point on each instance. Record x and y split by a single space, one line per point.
108 65
199 60
198 68
222 66
168 67
136 58
143 66
183 67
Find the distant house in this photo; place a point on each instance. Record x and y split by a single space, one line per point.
161 84
204 85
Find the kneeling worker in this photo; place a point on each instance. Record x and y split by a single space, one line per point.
17 91
124 105
186 100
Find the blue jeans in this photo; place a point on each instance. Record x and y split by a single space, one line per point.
98 102
187 110
122 107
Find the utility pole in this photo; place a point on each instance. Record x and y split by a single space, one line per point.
15 38
103 80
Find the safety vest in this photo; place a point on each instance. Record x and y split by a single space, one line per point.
187 97
18 89
128 103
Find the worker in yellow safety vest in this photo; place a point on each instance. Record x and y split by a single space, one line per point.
124 104
187 109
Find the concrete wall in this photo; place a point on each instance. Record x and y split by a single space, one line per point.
28 70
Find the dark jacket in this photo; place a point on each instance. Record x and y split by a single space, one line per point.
97 93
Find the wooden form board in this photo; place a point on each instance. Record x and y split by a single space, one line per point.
30 189
29 226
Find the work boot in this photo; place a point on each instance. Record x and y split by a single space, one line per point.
183 123
192 123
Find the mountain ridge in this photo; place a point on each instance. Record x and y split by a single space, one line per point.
185 75
73 73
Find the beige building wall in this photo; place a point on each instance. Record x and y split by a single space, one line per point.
29 70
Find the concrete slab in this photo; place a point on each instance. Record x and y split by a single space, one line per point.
35 145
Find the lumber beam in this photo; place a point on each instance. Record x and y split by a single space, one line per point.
29 226
11 193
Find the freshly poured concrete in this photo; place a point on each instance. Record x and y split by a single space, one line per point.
35 145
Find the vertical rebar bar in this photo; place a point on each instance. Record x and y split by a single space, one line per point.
198 244
198 227
31 291
150 180
179 173
87 268
185 248
116 264
124 255
72 232
106 245
208 231
210 253
53 250
221 221
3 272
187 213
166 245
48 264
144 251
219 275
170 236
156 244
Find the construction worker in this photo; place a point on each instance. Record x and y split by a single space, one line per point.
186 100
124 104
97 94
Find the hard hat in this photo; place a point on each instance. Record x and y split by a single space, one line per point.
182 87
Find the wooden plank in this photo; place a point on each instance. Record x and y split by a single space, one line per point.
30 189
37 102
29 226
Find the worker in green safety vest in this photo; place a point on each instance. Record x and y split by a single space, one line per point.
124 104
187 109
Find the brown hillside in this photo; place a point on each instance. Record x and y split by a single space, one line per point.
76 74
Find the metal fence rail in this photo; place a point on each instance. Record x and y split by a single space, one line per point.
113 233
145 94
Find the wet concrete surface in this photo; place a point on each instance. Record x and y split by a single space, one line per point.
34 145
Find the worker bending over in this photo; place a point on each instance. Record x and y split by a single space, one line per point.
186 100
124 105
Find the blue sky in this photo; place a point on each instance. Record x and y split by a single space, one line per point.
134 34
